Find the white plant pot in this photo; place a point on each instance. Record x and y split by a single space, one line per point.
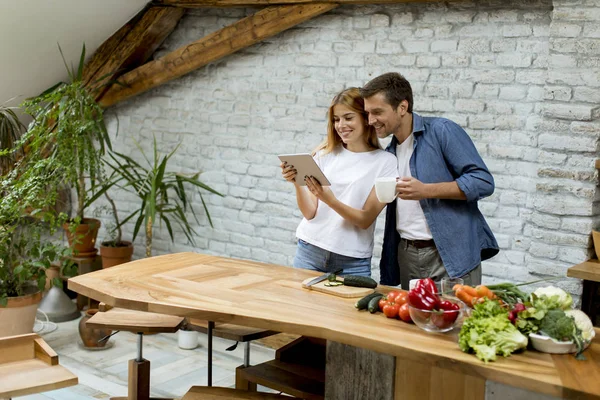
187 340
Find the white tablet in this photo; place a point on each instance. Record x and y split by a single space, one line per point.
306 166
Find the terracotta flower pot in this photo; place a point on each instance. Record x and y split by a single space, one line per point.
112 255
91 336
83 242
18 316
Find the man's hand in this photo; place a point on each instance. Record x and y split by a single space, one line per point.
321 193
411 189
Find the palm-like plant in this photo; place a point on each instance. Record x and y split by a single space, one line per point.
162 193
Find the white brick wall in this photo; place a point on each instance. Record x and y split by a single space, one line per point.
521 76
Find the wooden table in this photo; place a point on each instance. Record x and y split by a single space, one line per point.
589 272
405 362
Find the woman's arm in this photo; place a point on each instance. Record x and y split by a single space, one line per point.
307 203
361 218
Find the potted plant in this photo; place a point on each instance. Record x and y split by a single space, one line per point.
65 144
115 251
27 250
162 194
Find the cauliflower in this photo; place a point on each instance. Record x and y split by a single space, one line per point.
584 323
555 295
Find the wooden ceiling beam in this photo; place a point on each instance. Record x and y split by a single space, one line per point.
248 3
241 34
130 46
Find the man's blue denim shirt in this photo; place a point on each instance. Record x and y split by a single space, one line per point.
443 152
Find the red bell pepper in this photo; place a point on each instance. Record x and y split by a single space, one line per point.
428 284
422 299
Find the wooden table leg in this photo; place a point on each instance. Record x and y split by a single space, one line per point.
353 373
420 381
139 380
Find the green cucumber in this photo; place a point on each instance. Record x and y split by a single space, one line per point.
363 303
359 281
373 306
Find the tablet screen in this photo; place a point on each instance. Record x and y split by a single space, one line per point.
306 166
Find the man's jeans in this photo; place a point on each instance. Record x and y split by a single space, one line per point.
425 262
315 258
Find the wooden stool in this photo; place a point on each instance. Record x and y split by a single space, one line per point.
237 333
28 365
218 393
138 322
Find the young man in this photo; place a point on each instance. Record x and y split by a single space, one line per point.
434 228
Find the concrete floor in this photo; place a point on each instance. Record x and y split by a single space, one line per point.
103 373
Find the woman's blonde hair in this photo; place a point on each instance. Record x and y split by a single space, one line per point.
350 98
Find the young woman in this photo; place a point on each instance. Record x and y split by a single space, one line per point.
339 221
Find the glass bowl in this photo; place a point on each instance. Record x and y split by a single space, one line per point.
438 320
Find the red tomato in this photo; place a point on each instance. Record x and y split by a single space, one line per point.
391 296
401 298
391 310
382 302
403 313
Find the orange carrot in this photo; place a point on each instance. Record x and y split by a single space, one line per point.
471 290
462 294
484 291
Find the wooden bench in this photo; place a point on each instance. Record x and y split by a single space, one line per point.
218 393
298 370
28 365
138 322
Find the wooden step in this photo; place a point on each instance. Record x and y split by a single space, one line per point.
297 380
218 393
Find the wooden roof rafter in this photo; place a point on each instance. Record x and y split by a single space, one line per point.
130 46
249 3
239 35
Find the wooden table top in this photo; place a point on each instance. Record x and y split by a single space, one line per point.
271 297
588 270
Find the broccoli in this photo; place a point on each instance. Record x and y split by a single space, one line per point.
560 326
557 325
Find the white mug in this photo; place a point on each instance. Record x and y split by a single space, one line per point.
385 188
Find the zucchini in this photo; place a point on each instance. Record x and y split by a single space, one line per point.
363 303
373 306
359 281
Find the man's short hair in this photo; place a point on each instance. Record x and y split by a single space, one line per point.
394 87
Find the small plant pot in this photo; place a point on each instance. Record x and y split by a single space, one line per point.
187 340
83 242
115 255
91 336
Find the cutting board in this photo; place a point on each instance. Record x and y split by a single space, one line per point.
341 291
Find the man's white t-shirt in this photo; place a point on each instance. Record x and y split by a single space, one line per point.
410 220
352 177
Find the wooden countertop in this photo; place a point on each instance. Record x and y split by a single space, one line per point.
271 297
589 270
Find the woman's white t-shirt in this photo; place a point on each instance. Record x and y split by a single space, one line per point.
352 177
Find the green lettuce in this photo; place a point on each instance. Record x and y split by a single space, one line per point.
488 332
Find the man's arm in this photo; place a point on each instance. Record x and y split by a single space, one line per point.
413 189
